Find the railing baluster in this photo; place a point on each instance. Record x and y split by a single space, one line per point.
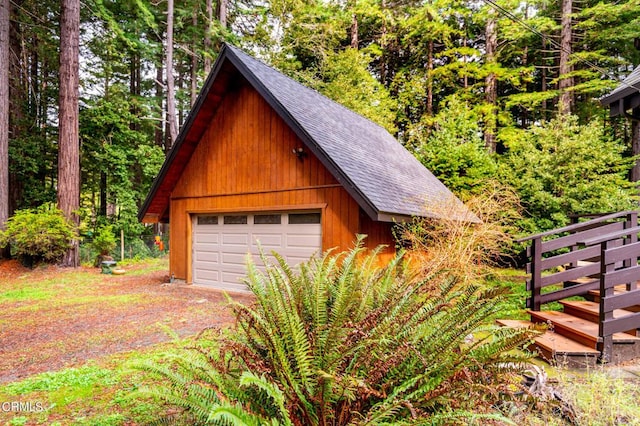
632 222
536 273
606 345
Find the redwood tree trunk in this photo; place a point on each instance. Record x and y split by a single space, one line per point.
194 62
222 13
430 77
17 100
68 141
491 82
171 89
159 127
565 83
4 116
354 26
207 38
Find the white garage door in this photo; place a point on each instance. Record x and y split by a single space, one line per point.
221 243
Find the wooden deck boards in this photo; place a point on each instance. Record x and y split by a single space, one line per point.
578 329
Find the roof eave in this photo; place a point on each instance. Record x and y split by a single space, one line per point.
403 217
182 135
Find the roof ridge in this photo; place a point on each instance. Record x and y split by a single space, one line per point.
235 49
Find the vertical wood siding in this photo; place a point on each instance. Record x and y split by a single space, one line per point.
245 162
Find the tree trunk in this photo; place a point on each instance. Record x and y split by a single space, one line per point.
354 26
171 90
17 100
207 38
222 13
491 81
565 104
194 62
135 88
430 77
383 44
4 117
68 141
159 127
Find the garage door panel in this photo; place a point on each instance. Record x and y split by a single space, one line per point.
207 275
212 238
211 257
232 277
303 241
295 260
220 251
235 238
206 246
266 240
234 259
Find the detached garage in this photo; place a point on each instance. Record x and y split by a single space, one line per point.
262 158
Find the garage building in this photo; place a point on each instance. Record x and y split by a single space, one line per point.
262 158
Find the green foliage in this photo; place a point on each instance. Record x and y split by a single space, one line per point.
346 79
83 377
563 167
341 341
601 399
41 234
453 149
109 135
104 240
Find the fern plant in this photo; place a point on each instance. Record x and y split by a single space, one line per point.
341 341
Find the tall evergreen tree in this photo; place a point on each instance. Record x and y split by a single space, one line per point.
4 115
69 143
171 94
565 79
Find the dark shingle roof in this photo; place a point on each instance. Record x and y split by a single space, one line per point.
630 86
383 177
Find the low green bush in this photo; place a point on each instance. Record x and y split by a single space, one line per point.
341 341
104 240
38 235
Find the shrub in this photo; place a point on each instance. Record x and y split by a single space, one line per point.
561 167
465 249
104 241
342 341
41 234
451 147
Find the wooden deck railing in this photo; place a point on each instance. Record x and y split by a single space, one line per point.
612 275
568 258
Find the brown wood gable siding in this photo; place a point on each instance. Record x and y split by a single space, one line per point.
245 162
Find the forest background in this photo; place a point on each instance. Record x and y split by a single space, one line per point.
492 93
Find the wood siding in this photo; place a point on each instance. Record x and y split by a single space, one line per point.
246 162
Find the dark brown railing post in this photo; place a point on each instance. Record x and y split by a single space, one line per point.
632 222
536 273
606 342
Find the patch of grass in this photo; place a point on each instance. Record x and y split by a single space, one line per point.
25 293
600 398
86 376
94 394
514 306
87 395
136 267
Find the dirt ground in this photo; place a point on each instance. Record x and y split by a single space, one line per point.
52 318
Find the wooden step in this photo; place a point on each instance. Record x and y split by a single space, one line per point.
590 311
580 281
557 349
578 329
594 295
